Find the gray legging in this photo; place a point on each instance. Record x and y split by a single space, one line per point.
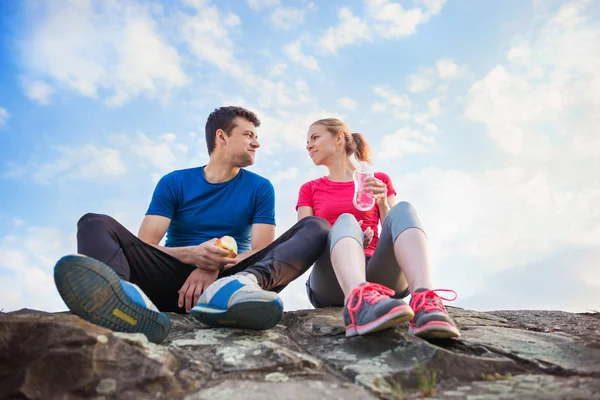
322 286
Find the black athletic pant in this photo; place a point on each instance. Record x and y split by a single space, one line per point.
161 275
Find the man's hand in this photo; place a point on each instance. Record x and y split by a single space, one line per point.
193 287
368 235
377 188
208 256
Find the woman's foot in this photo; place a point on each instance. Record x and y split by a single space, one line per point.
431 319
370 309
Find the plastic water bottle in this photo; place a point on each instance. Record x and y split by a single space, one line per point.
363 199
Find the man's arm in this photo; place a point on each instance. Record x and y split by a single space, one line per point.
205 255
262 235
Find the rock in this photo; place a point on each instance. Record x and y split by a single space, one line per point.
503 354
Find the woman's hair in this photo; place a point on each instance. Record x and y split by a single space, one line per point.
355 142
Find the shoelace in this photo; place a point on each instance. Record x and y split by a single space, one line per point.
374 293
429 300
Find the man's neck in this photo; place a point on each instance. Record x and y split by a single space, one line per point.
218 171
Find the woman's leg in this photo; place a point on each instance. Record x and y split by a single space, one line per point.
401 260
368 307
341 267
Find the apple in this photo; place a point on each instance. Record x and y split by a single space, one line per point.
228 243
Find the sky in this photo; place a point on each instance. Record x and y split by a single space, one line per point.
485 114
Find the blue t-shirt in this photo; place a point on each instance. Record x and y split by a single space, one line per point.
200 210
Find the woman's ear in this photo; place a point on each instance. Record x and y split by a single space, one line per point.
339 139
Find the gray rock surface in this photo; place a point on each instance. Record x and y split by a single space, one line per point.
501 355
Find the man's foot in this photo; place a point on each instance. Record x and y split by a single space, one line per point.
370 309
431 319
94 292
238 302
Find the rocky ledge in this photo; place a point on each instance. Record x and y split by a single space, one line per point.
501 355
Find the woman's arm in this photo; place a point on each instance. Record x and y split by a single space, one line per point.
384 205
305 211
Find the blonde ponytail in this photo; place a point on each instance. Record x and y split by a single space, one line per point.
362 150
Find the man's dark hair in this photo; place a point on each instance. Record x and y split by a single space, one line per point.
224 118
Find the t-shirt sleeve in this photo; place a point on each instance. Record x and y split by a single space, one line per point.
164 198
264 211
388 183
305 197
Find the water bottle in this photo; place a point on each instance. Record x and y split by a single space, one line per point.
363 199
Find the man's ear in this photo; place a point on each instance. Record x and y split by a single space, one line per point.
220 136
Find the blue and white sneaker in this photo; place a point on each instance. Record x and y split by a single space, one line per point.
238 301
94 292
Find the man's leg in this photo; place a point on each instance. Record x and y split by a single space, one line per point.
111 287
157 273
246 297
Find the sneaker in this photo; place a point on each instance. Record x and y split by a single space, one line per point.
431 319
370 309
238 301
95 293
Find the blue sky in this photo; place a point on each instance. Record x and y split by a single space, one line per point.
483 113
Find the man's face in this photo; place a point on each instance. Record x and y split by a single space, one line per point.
242 143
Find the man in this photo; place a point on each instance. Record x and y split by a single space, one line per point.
121 281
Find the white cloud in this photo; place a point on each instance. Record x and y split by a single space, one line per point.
4 116
405 141
420 82
347 103
26 262
39 91
96 48
400 101
350 30
433 107
294 53
232 20
18 222
282 17
257 5
285 175
447 69
377 107
277 69
392 20
209 41
288 17
85 163
546 92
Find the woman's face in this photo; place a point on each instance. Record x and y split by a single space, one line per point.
321 144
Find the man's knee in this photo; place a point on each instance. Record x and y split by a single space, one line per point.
91 221
317 225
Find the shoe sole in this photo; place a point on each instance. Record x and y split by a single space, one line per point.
252 314
395 316
435 330
93 291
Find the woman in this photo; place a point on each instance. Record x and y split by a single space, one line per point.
356 265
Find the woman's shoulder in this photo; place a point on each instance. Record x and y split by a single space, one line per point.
382 176
312 184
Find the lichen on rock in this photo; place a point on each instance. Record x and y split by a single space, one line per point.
500 355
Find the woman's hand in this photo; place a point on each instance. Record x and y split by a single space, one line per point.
368 235
377 188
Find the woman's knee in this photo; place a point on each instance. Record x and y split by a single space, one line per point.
402 208
401 217
345 226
